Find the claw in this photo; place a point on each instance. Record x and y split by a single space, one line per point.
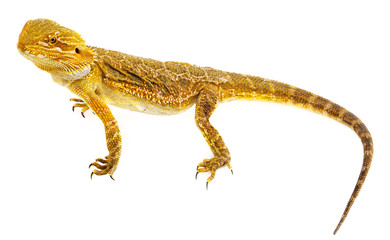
105 166
80 104
207 185
98 166
196 175
230 167
101 160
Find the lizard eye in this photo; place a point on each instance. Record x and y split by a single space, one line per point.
77 50
53 40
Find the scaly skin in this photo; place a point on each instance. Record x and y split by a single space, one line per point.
100 77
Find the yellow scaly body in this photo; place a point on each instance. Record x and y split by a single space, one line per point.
100 77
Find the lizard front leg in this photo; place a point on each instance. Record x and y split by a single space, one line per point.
205 105
79 104
109 164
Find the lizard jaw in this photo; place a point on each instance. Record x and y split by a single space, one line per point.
56 68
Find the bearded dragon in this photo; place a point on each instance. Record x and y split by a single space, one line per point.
100 77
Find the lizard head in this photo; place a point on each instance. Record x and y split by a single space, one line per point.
55 49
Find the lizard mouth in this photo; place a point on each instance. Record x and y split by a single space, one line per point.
30 56
56 67
39 60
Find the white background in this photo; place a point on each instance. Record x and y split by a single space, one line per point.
293 170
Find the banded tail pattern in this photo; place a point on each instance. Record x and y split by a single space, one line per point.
244 87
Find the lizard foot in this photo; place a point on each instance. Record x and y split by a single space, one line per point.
104 166
211 165
80 104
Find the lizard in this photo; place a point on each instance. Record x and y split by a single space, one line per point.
101 77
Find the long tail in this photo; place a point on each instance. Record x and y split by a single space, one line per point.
255 88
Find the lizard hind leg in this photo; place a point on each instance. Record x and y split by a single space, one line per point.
205 105
104 166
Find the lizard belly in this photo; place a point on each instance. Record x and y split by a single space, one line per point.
145 105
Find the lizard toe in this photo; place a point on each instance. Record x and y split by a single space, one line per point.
211 165
104 166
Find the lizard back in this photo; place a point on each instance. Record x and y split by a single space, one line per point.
149 85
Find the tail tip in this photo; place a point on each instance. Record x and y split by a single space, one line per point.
337 228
